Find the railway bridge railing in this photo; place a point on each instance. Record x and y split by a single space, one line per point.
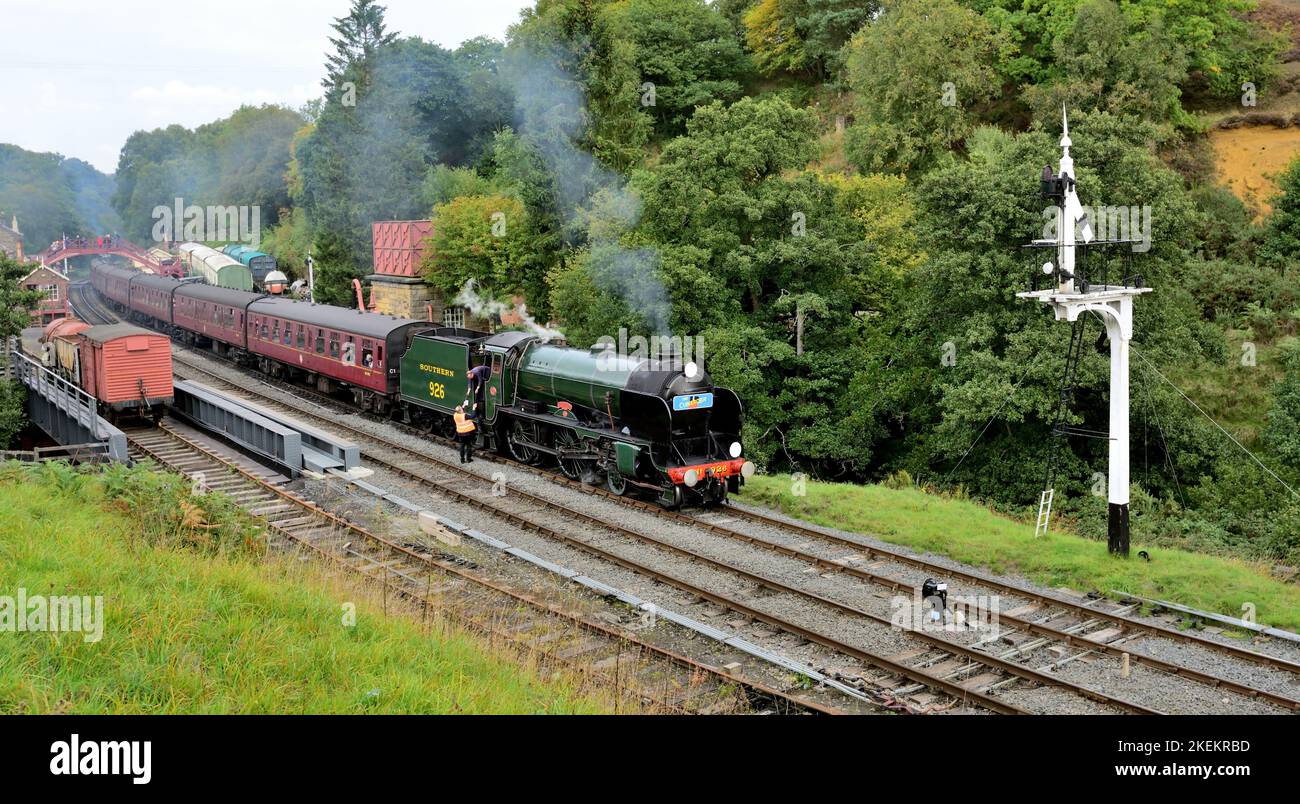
81 248
66 413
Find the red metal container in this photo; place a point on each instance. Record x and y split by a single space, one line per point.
400 246
125 366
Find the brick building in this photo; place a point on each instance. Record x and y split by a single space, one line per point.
55 287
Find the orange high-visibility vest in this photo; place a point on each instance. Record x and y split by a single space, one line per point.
463 424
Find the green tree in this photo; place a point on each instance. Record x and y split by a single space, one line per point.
576 84
1104 63
359 35
918 71
1281 238
772 36
240 160
804 35
357 164
1282 432
14 303
334 269
52 195
684 49
1223 47
484 238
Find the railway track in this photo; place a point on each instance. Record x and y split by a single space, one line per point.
554 632
944 666
87 305
1084 629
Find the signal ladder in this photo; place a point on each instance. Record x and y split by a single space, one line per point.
1060 430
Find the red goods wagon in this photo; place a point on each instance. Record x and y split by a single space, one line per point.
211 312
400 246
126 367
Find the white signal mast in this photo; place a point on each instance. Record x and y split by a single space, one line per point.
1073 295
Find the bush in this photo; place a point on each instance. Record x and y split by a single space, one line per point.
1225 291
167 513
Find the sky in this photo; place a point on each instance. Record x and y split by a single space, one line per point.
78 78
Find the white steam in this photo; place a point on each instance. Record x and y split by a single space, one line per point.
483 308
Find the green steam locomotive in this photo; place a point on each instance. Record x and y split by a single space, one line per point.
652 427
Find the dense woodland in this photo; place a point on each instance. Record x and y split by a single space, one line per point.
833 195
51 195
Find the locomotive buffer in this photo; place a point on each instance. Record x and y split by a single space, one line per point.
1079 277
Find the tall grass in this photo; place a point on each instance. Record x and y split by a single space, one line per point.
198 620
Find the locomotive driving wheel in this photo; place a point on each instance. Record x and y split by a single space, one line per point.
567 440
521 431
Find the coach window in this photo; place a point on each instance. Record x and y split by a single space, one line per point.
265 331
367 355
320 341
334 344
275 330
300 340
287 336
349 352
379 356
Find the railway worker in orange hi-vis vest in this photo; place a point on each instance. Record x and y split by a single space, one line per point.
465 433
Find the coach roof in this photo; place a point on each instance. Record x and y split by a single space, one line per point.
343 319
234 298
155 281
120 273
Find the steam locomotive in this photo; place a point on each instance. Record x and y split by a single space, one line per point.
643 426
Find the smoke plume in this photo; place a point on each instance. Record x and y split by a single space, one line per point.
483 308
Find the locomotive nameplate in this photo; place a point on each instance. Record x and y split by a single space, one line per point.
692 401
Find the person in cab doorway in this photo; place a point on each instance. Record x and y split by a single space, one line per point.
465 428
478 378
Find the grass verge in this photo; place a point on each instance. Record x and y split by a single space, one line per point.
190 630
975 535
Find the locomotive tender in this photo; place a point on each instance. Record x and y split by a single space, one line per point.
638 425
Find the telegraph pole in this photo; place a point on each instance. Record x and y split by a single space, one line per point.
1073 294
